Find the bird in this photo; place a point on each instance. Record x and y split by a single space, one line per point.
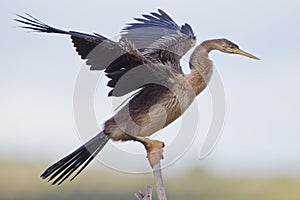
145 61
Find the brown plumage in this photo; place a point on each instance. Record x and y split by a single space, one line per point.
146 60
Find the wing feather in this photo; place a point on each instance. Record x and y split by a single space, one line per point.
160 39
128 67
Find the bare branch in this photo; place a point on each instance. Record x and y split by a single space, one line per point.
160 189
146 196
155 155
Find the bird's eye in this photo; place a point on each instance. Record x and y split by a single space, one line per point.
232 47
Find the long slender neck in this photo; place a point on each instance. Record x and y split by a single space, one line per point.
201 66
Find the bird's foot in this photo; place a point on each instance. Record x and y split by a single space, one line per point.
154 150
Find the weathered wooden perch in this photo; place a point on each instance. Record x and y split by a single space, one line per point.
159 184
155 155
146 196
160 189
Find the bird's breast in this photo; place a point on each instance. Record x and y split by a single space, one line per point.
152 109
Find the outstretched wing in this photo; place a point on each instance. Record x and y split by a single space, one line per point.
100 52
160 39
117 59
84 43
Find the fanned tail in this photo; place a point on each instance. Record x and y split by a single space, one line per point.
81 157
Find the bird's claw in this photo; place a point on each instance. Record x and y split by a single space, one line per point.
154 151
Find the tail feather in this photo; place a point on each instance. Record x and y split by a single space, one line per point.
81 157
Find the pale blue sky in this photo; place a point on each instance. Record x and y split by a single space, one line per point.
261 130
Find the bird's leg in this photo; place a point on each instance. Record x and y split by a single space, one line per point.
154 149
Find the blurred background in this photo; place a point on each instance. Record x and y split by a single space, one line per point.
257 156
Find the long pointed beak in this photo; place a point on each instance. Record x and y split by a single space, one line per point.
243 53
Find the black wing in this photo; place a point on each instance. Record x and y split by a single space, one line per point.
100 52
160 38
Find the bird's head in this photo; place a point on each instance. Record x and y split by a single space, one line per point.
227 46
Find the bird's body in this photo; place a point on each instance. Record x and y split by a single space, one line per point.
147 58
162 108
163 104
